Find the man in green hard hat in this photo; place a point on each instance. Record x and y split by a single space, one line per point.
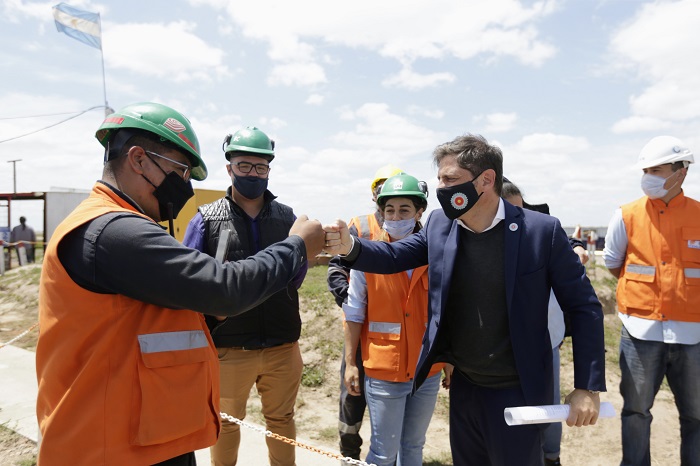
260 347
126 368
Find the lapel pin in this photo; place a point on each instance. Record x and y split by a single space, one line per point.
513 226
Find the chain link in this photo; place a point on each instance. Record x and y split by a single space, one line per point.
267 433
20 335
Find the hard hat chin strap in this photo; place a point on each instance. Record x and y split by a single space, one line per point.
115 144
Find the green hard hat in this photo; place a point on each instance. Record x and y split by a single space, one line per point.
249 139
402 186
170 125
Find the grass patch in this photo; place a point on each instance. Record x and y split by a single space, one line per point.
443 459
328 434
313 376
315 288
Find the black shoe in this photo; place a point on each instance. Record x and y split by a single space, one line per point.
548 462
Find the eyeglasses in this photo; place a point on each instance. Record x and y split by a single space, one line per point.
182 168
246 167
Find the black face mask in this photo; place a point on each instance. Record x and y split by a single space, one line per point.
250 187
458 199
172 194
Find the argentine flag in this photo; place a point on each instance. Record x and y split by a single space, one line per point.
81 25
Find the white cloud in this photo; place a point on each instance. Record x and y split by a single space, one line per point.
538 155
166 51
498 122
272 123
45 154
434 114
549 143
296 74
405 32
14 10
637 123
337 175
377 127
660 45
315 99
409 79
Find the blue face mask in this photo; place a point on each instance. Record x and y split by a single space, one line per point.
250 187
399 229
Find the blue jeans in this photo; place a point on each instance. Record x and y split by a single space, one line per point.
644 364
552 433
398 420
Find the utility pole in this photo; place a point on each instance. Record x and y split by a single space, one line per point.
14 173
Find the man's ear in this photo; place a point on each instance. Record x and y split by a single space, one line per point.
489 178
135 158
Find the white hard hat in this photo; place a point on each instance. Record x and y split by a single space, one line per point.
664 149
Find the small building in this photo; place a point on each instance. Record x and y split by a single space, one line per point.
59 202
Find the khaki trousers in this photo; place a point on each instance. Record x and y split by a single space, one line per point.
276 373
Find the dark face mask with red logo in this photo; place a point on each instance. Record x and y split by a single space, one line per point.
458 199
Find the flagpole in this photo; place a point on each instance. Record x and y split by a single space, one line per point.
108 110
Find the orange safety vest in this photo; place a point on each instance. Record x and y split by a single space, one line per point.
660 278
397 314
121 381
367 226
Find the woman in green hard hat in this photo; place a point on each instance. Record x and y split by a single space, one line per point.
387 315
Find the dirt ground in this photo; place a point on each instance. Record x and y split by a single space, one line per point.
317 403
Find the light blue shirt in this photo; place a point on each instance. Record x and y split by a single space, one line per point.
665 331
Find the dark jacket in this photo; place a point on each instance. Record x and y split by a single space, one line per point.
537 257
276 320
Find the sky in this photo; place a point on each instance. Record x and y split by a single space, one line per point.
570 90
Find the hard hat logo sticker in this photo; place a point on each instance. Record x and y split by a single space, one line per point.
174 125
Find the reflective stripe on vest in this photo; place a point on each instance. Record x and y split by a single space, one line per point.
364 227
172 341
385 327
692 273
641 269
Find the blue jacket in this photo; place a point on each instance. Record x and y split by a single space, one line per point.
538 258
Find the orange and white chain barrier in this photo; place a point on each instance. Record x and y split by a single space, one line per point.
20 336
281 438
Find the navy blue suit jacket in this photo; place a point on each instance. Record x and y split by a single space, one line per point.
538 258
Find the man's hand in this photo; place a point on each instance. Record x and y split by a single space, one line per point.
352 380
448 370
582 254
338 239
584 408
311 232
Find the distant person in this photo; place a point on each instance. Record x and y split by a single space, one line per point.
591 244
259 348
24 233
386 316
127 371
557 330
653 247
352 408
491 267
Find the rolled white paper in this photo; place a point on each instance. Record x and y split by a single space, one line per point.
550 413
